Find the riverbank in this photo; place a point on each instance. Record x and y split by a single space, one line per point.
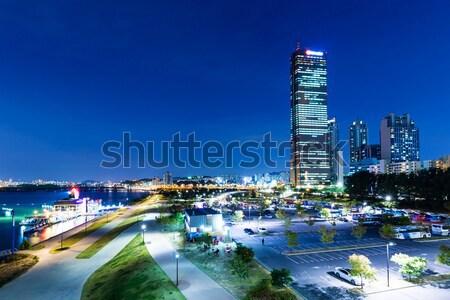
16 265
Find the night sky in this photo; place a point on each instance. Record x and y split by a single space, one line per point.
75 74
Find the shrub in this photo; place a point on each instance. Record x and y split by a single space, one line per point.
281 277
26 245
245 253
239 267
265 291
444 256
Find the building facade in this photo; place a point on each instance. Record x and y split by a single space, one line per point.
369 151
358 136
399 139
167 178
310 159
200 220
333 142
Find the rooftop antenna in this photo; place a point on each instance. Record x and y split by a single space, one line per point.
298 46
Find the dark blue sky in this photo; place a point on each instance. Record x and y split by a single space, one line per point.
74 74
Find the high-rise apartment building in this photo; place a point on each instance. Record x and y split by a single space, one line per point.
167 178
358 138
399 139
310 159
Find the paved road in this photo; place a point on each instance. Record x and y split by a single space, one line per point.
193 283
312 272
62 276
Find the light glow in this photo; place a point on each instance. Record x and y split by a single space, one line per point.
316 53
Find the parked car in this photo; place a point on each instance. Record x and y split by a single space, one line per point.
249 231
268 215
345 274
262 229
440 229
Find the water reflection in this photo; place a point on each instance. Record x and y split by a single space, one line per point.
53 230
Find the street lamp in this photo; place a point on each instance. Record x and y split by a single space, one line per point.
387 259
13 229
177 256
143 230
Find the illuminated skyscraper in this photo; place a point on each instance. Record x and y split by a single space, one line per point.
310 159
399 138
359 137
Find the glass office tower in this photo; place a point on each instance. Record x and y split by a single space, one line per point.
310 159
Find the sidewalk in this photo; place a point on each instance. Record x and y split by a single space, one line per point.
62 276
193 283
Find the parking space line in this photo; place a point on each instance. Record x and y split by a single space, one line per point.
291 259
300 258
332 257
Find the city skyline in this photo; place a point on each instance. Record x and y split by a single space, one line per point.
72 83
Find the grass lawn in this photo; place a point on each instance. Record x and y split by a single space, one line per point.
69 241
131 274
15 266
218 269
109 236
144 206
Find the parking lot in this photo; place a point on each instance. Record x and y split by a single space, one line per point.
313 272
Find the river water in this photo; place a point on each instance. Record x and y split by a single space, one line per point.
26 203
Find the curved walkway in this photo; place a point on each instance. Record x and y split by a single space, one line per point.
192 282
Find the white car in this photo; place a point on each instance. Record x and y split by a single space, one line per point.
262 230
345 274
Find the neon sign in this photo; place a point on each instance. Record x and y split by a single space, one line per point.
316 53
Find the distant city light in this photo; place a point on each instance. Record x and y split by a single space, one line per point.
317 53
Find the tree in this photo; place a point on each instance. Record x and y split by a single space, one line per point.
281 277
327 235
239 267
292 238
360 266
387 231
238 216
359 231
176 221
300 210
410 265
281 214
263 205
245 253
325 213
444 256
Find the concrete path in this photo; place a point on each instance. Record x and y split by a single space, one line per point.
192 282
62 276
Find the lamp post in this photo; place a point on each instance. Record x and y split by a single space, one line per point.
62 232
387 259
177 256
13 232
143 231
